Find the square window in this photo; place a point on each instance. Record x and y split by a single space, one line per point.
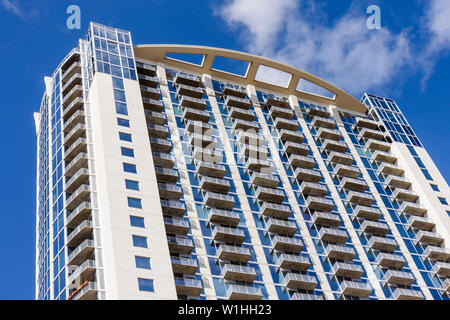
121 108
143 263
140 242
435 187
125 137
146 285
137 222
132 185
118 83
123 122
134 203
127 152
443 201
119 95
131 168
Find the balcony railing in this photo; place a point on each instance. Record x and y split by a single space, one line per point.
399 278
281 226
308 175
188 287
287 135
340 252
293 262
219 200
326 219
341 158
313 189
215 184
337 146
358 289
275 210
320 204
302 161
233 253
287 244
353 184
360 198
238 273
390 260
333 235
407 294
195 103
347 270
300 281
323 123
376 228
296 148
268 194
368 213
325 133
241 292
238 102
382 244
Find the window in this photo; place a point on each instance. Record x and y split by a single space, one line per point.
427 174
121 108
137 222
130 168
134 203
125 137
435 187
119 95
443 201
143 263
146 285
127 152
140 242
123 122
118 83
132 185
448 213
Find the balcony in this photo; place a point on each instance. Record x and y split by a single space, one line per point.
235 91
360 198
207 155
175 225
353 184
153 105
75 68
285 113
390 260
218 200
268 194
180 245
347 270
337 146
211 169
431 238
313 189
381 156
249 151
326 219
446 286
194 103
82 212
264 180
302 161
228 235
371 134
340 252
407 294
382 244
323 123
366 123
333 235
356 289
84 272
277 101
413 209
81 253
199 127
275 210
399 278
160 145
79 196
76 92
157 131
184 265
283 227
241 292
387 168
259 165
421 223
187 79
88 291
215 184
196 115
305 297
238 273
286 135
378 145
146 69
169 191
188 287
80 233
281 123
293 262
328 134
319 112
238 113
77 104
80 161
238 102
77 132
437 253
224 217
287 244
341 158
155 117
188 91
405 195
300 281
77 118
368 213
375 228
307 175
150 93
164 160
249 138
235 254
173 208
398 182
245 125
319 204
148 81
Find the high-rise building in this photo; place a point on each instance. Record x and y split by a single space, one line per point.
160 178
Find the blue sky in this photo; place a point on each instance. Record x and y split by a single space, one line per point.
407 60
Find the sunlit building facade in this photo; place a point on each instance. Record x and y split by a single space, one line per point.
160 178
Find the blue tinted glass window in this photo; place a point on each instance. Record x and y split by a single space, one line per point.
132 185
143 263
443 201
139 241
121 108
427 174
137 222
127 152
118 83
123 122
119 95
134 203
435 187
125 137
146 285
131 168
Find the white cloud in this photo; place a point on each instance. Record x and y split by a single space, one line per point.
13 7
438 24
346 53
